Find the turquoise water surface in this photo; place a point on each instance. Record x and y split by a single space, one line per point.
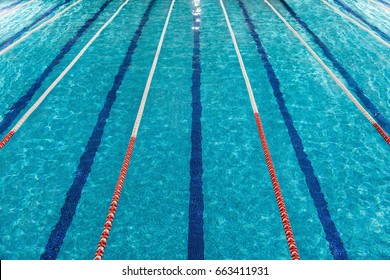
347 216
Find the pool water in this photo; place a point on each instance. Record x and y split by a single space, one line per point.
198 134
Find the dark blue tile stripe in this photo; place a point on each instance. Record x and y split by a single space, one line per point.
10 6
355 14
13 38
19 105
384 123
73 195
196 205
331 233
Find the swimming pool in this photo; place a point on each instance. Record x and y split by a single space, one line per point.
198 185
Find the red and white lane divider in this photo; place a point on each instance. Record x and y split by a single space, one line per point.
379 39
9 135
327 69
125 166
28 34
15 8
278 193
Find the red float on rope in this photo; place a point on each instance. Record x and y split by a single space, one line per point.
278 193
125 166
114 202
382 132
6 138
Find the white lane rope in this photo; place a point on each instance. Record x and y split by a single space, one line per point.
15 8
339 83
242 66
17 42
151 73
126 162
267 154
379 39
59 78
380 5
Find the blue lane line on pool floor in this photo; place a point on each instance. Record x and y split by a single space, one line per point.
19 105
384 2
196 205
73 195
355 14
331 233
384 123
10 6
13 38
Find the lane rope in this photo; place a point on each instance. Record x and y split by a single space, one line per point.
59 78
74 194
15 8
20 33
327 69
379 39
380 4
17 42
332 235
362 19
278 193
16 108
9 6
351 82
126 162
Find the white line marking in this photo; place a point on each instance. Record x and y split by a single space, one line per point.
17 42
